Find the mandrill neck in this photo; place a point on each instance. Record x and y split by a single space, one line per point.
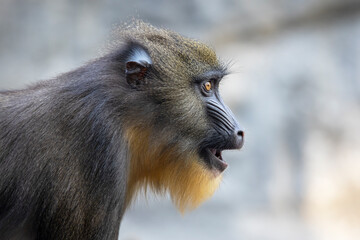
162 168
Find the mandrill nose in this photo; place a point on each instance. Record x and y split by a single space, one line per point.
239 138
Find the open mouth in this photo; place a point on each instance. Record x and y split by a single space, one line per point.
214 159
211 154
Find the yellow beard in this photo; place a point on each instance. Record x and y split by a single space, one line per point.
183 175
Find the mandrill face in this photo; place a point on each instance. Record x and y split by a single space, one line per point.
180 148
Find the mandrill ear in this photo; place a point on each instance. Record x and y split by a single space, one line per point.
137 66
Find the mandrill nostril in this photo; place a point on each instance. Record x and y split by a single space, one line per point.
239 139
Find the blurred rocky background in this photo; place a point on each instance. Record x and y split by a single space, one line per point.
295 87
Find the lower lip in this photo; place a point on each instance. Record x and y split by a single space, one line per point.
221 165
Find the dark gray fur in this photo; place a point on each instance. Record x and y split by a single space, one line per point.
63 162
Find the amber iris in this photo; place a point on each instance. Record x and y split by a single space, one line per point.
208 86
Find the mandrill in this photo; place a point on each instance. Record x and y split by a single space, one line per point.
75 150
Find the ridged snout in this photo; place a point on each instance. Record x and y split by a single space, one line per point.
225 124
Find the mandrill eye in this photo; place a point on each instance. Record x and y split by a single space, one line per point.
208 86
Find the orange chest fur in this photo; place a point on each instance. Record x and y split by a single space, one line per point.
163 169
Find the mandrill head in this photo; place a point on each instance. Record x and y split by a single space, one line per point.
177 124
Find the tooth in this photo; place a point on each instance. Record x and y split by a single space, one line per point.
219 155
